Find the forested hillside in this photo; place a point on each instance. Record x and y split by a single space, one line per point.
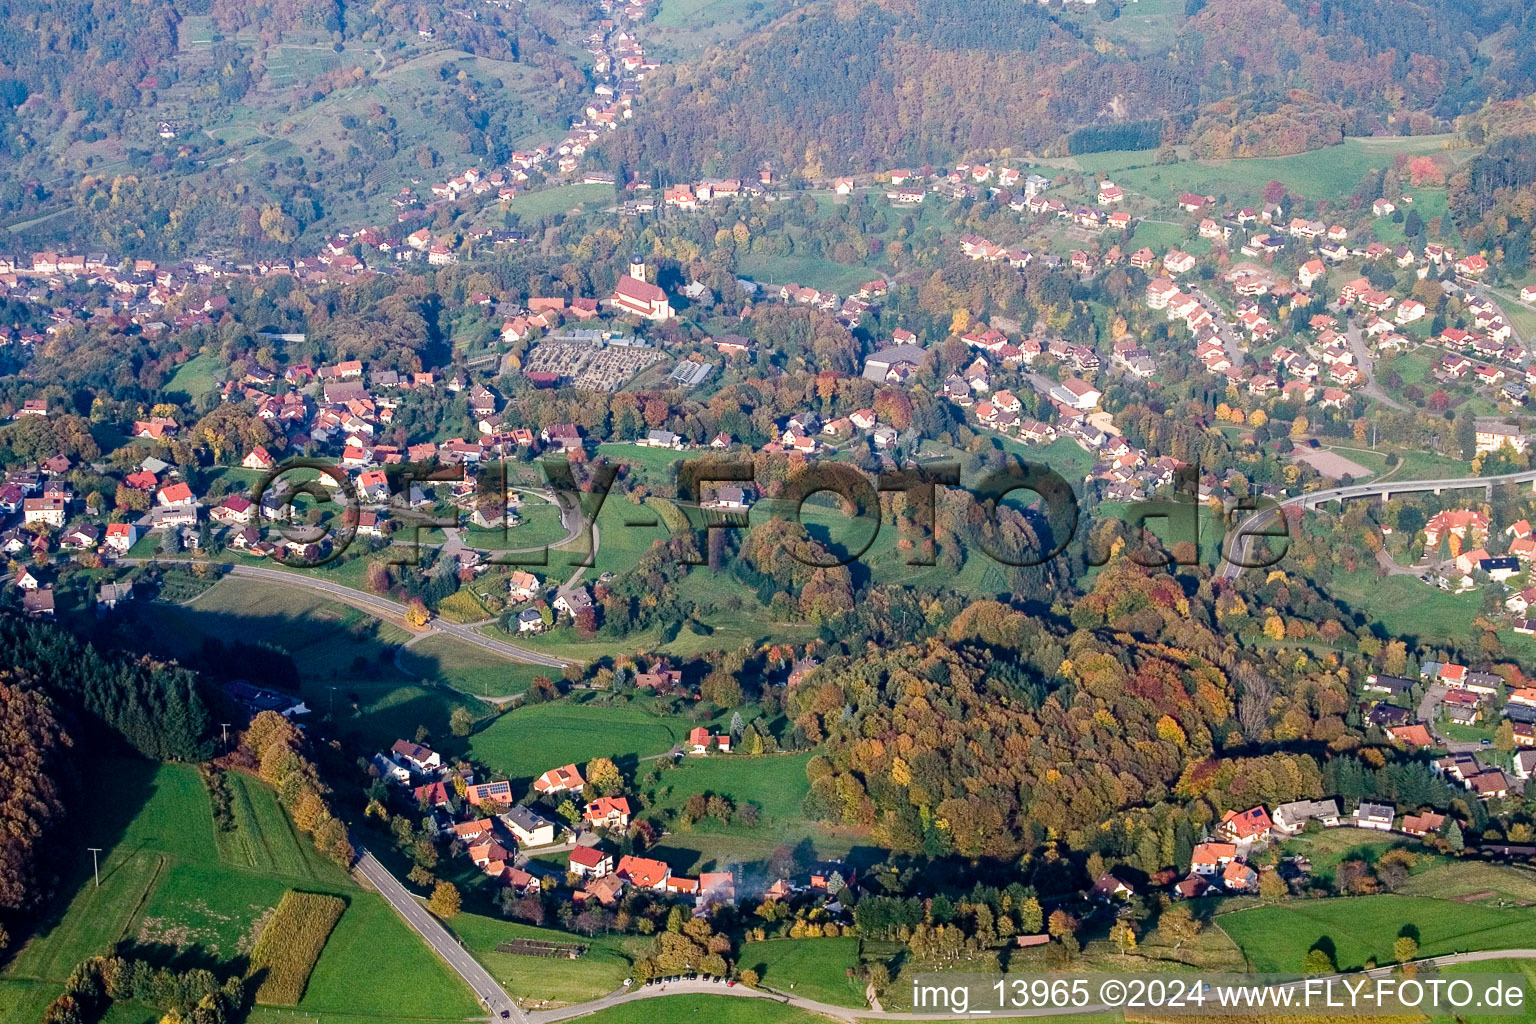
1147 717
211 122
834 88
156 709
32 747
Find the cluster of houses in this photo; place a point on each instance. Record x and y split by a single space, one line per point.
497 834
850 311
1467 533
1467 698
1221 863
1325 367
1126 471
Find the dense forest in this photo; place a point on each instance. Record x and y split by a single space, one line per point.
158 710
1494 199
833 88
1127 735
829 89
33 749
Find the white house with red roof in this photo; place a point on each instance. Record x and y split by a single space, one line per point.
565 779
259 458
177 495
644 873
609 812
1250 826
590 862
122 536
1210 858
702 741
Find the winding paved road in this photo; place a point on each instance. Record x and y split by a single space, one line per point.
500 1004
386 608
853 1014
1258 520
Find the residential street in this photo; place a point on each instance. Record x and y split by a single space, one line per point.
1368 367
1230 339
370 871
1429 710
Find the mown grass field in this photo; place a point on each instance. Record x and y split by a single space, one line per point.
652 465
691 13
378 714
524 743
1150 25
540 525
811 968
195 377
560 199
444 660
1328 848
776 783
1278 937
806 271
1456 879
171 890
599 971
264 838
1320 174
1407 608
346 658
328 640
625 532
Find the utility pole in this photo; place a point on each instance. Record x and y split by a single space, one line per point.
95 866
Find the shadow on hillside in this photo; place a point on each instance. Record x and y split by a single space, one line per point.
108 793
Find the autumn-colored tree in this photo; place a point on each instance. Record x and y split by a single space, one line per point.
1031 916
31 807
445 900
376 577
1395 657
656 412
604 776
416 614
1180 924
1406 948
1123 936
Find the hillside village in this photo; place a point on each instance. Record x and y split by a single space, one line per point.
1036 390
574 840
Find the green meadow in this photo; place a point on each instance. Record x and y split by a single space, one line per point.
174 888
1276 938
